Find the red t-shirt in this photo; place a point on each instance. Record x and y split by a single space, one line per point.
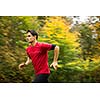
39 56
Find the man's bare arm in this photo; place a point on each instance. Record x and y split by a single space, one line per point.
56 53
26 63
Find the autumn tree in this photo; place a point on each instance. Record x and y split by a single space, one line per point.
56 31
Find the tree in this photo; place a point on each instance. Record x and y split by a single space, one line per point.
56 31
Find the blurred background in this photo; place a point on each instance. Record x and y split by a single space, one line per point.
77 36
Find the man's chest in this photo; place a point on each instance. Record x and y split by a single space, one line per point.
34 51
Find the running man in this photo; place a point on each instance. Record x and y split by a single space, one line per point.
38 54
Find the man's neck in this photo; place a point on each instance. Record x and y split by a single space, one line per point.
33 43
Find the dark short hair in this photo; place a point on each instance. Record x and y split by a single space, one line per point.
33 33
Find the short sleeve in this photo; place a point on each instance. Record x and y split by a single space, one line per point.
46 46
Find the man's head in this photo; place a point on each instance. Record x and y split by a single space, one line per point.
32 36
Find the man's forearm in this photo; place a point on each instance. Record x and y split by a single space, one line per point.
56 53
28 61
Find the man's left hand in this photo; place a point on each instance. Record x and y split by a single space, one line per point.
55 65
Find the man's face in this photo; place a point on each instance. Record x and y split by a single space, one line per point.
30 38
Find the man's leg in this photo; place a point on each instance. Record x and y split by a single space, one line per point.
41 78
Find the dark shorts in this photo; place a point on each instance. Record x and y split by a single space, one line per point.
41 78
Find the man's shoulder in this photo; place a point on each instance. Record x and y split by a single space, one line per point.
41 43
38 44
28 47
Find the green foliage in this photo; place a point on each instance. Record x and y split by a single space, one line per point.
76 74
87 42
74 60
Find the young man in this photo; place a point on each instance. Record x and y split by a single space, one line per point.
38 53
